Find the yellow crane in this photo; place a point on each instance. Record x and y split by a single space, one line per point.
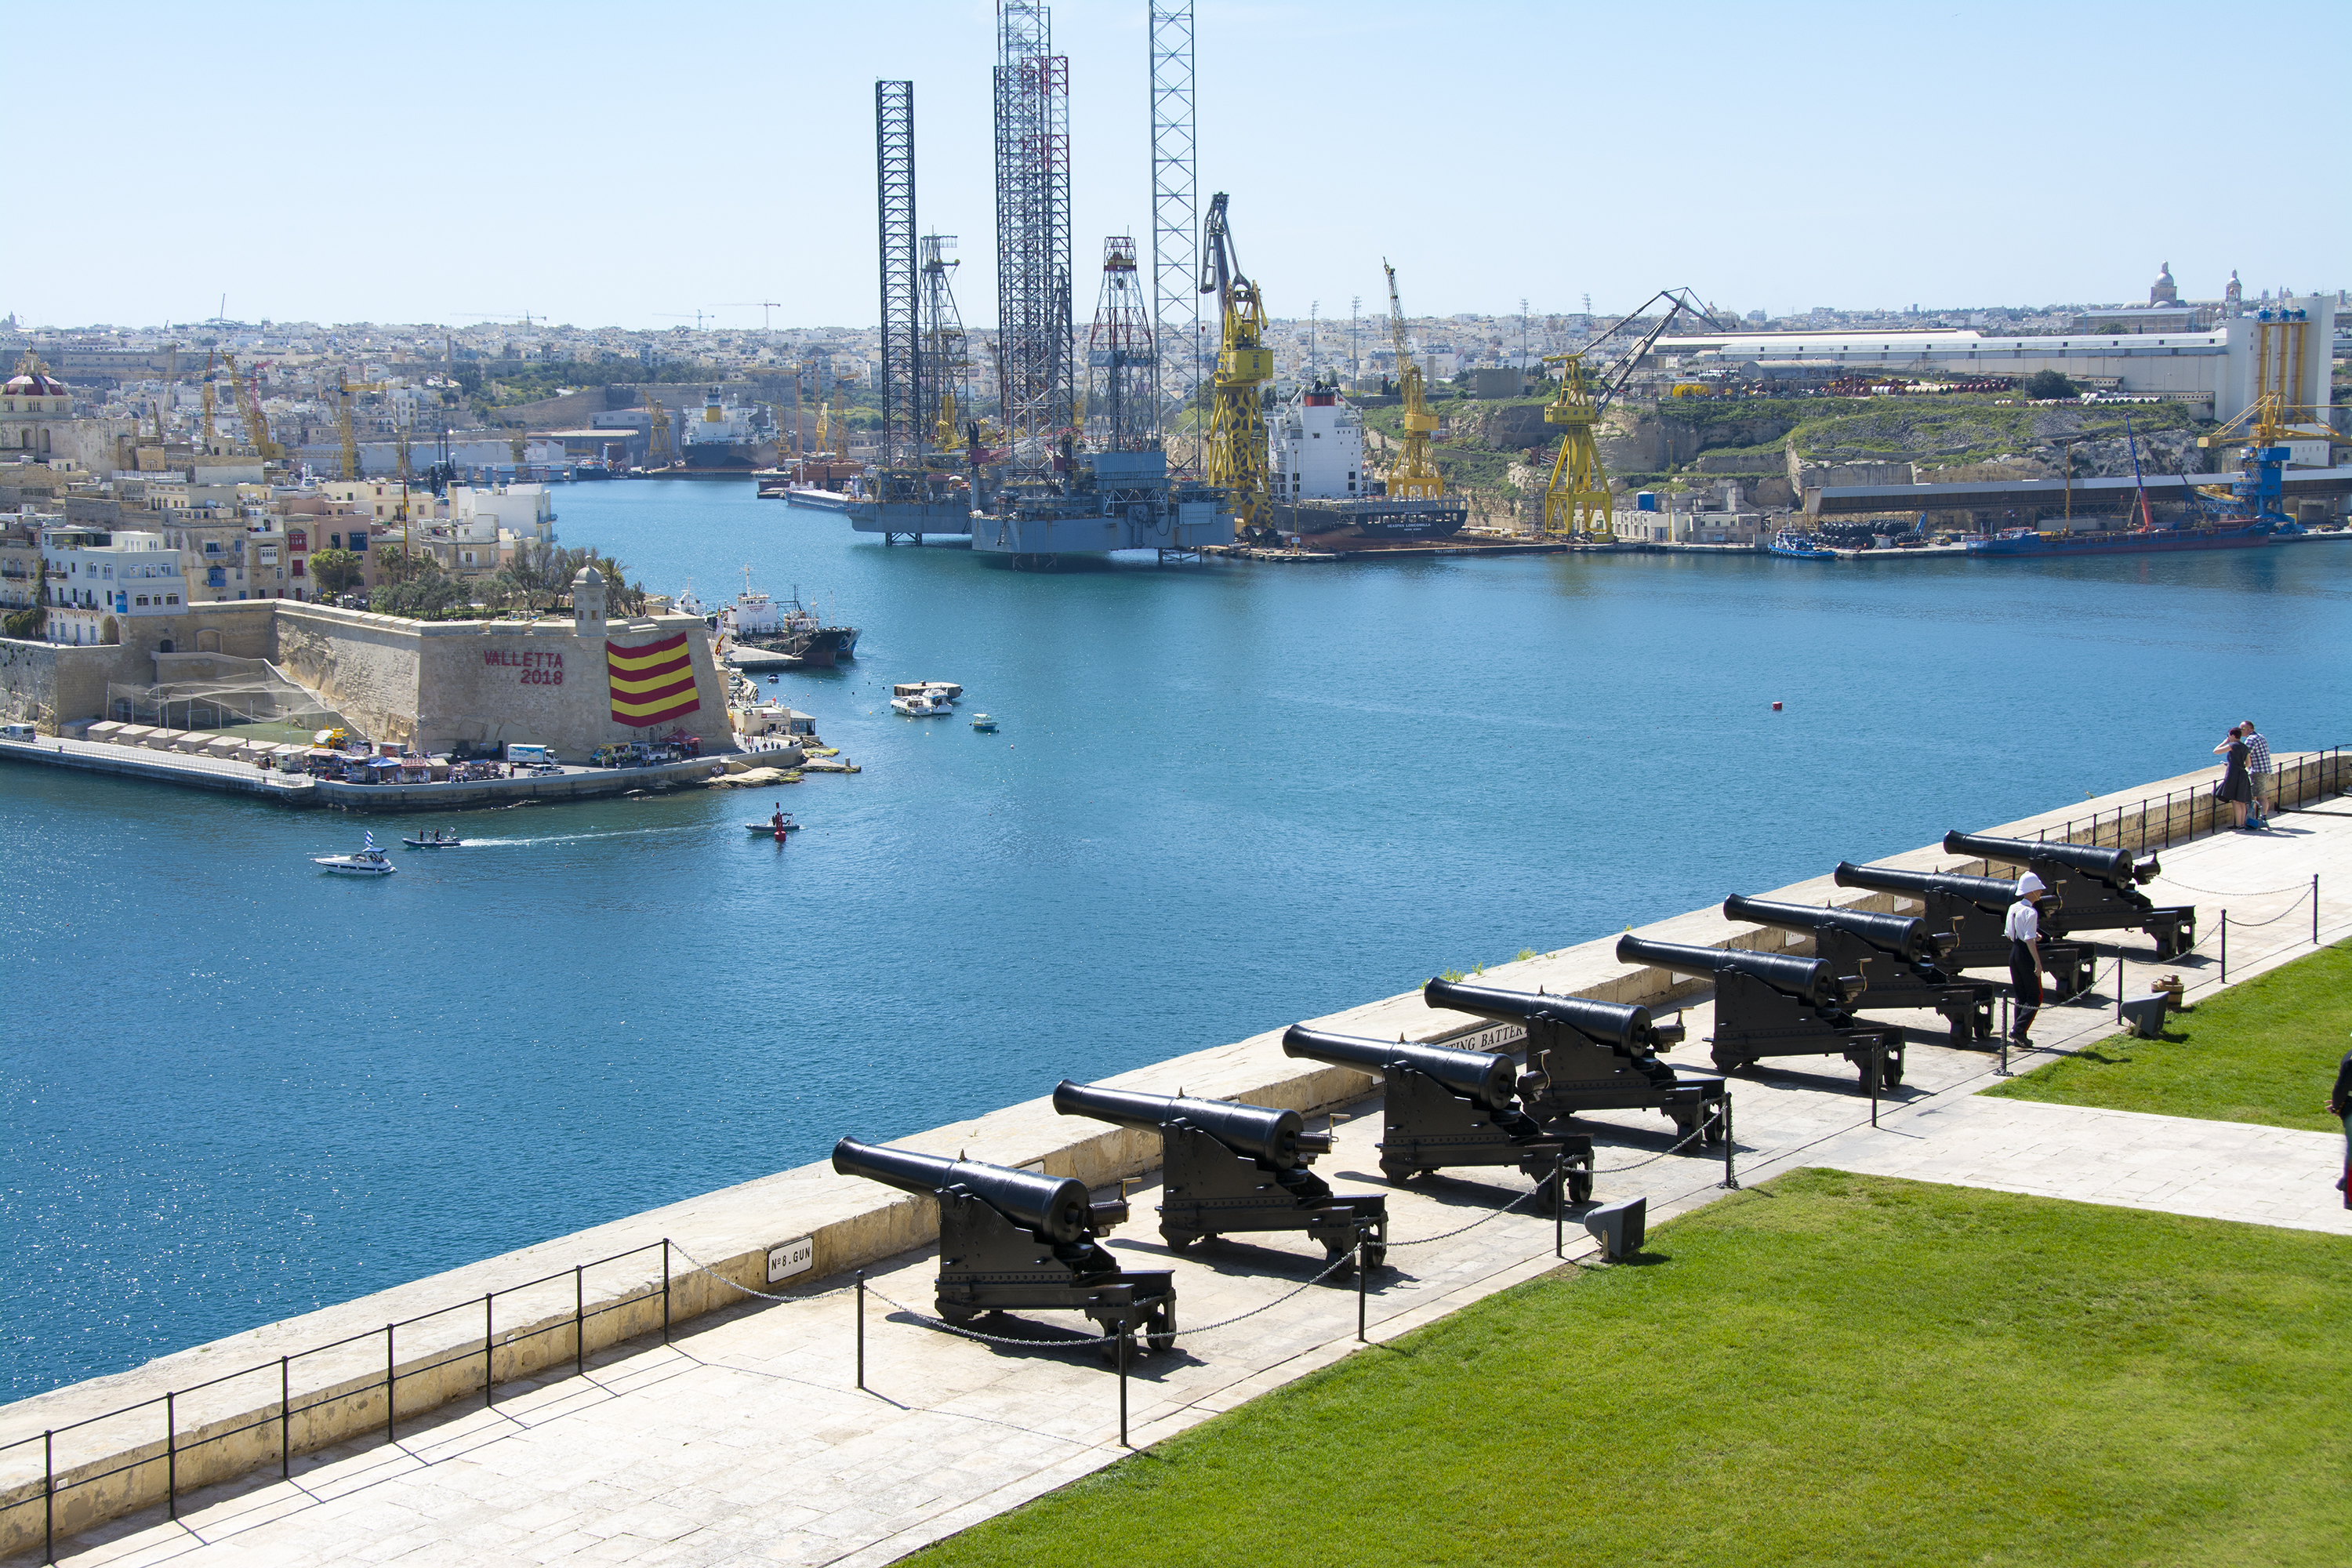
519 444
821 426
344 387
1237 453
840 423
212 441
248 404
1413 474
1577 500
657 449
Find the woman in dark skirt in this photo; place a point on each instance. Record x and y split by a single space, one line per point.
2234 786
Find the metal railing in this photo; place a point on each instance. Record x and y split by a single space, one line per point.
281 1412
2312 775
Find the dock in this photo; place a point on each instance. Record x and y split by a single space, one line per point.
224 776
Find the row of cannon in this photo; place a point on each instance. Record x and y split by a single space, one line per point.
1015 1240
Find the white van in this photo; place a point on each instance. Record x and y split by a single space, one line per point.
518 752
17 732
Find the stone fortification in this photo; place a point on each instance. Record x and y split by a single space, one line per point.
431 684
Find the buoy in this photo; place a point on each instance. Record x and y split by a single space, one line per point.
1776 708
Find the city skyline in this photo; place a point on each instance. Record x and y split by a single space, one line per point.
559 163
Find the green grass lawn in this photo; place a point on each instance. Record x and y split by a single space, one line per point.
1826 1369
2264 1051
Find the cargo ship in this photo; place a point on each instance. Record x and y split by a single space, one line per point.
790 629
1318 487
727 438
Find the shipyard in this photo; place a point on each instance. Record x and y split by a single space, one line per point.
1032 783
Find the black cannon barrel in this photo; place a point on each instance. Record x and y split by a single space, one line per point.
1905 936
1987 892
1487 1077
2114 866
1611 1023
1253 1132
1806 979
1057 1207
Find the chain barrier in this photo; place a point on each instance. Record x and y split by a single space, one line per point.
1450 1235
703 1268
2233 892
2257 925
1676 1147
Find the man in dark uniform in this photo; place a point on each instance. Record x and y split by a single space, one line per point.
2023 927
2339 1105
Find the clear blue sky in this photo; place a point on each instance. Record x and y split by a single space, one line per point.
607 163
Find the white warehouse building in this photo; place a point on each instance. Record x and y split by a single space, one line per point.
2219 364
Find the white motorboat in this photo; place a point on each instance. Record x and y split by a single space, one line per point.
369 861
922 705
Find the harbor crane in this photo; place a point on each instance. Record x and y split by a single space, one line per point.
248 404
1577 499
1414 474
657 436
212 441
1237 449
344 387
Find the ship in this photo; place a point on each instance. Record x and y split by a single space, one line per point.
2251 522
787 627
1318 492
728 439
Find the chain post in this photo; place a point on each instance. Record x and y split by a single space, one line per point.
489 1351
579 1322
171 1453
664 1290
49 1497
2225 947
1123 1337
861 1329
1730 1174
1558 1211
284 1418
388 1385
1877 1070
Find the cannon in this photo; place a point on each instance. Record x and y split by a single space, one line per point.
1777 1005
1897 956
1588 1055
1445 1107
2096 889
1967 915
1232 1167
1018 1240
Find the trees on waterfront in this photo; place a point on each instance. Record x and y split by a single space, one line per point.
335 572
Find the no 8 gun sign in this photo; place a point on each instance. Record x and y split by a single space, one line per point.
533 668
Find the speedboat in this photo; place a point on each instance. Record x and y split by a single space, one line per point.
922 705
789 826
983 723
369 861
421 843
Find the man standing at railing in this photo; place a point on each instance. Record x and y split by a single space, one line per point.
2258 773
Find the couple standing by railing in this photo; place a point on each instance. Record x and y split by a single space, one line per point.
2246 780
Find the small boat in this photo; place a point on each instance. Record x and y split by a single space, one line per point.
921 705
452 843
369 861
789 826
1790 545
983 723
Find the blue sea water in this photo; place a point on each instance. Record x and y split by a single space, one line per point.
1223 798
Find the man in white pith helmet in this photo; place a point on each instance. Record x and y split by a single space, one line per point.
2023 927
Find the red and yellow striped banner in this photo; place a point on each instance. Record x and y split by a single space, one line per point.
651 682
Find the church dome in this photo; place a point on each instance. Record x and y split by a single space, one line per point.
33 383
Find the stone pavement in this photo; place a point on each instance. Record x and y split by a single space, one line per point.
745 1441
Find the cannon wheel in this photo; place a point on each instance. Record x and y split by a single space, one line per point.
1159 1334
1730 1061
1179 1239
1396 1169
1580 1186
1894 1078
957 1315
1714 1138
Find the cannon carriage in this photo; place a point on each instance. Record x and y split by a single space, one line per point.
1966 915
1021 1241
1229 1168
1897 957
1777 1005
2095 887
1443 1108
1584 1055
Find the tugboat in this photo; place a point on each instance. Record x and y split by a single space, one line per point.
1793 545
790 628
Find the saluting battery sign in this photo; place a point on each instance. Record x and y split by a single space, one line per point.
538 667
